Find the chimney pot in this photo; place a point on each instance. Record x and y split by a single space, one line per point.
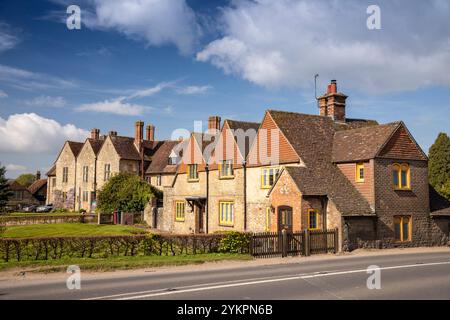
38 175
95 133
213 124
332 104
138 132
113 133
150 132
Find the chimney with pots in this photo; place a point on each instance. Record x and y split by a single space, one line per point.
38 175
112 133
213 124
150 132
332 103
95 134
138 132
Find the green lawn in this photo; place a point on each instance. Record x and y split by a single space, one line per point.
119 263
68 229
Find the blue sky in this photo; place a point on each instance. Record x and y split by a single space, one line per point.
171 62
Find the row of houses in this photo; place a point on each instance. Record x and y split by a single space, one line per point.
290 171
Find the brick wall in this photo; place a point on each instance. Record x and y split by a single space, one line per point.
366 188
414 202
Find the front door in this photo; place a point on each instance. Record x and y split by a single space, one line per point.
285 218
199 210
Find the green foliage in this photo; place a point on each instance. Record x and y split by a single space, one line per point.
26 179
125 192
60 210
235 242
439 165
5 192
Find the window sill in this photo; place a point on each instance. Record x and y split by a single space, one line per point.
360 181
226 225
266 187
226 178
178 220
193 180
402 189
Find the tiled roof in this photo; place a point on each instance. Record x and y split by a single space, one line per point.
160 159
125 147
329 181
37 185
311 136
96 144
15 186
362 143
75 147
439 206
244 126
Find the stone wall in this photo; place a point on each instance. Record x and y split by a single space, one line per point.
65 159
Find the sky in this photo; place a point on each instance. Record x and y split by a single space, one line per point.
173 62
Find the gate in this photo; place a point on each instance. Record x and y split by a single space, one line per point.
284 243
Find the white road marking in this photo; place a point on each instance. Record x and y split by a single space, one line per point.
205 287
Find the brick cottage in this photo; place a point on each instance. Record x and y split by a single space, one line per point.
290 171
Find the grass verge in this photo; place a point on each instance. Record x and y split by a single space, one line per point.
119 263
68 229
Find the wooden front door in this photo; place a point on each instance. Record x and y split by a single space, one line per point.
199 213
285 218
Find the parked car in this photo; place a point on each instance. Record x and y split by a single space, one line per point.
30 208
45 208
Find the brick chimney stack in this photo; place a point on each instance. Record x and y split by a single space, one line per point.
138 132
95 134
150 136
213 124
112 133
332 103
38 175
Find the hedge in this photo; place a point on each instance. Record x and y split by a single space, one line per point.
110 246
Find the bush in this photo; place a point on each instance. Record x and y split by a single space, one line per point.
125 192
131 245
235 242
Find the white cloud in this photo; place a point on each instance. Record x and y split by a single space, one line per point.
117 106
158 22
194 89
7 39
30 133
150 91
284 43
46 101
28 80
3 94
15 167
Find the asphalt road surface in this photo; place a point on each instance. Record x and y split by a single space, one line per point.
403 276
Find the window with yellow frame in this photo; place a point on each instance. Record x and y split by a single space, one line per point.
226 169
403 228
179 211
268 177
226 213
401 177
313 219
360 172
268 213
192 172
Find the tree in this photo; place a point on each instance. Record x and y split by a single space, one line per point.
125 192
26 179
439 164
5 192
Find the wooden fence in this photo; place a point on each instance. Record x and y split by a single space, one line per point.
283 244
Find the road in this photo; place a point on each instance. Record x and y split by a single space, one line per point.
423 275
